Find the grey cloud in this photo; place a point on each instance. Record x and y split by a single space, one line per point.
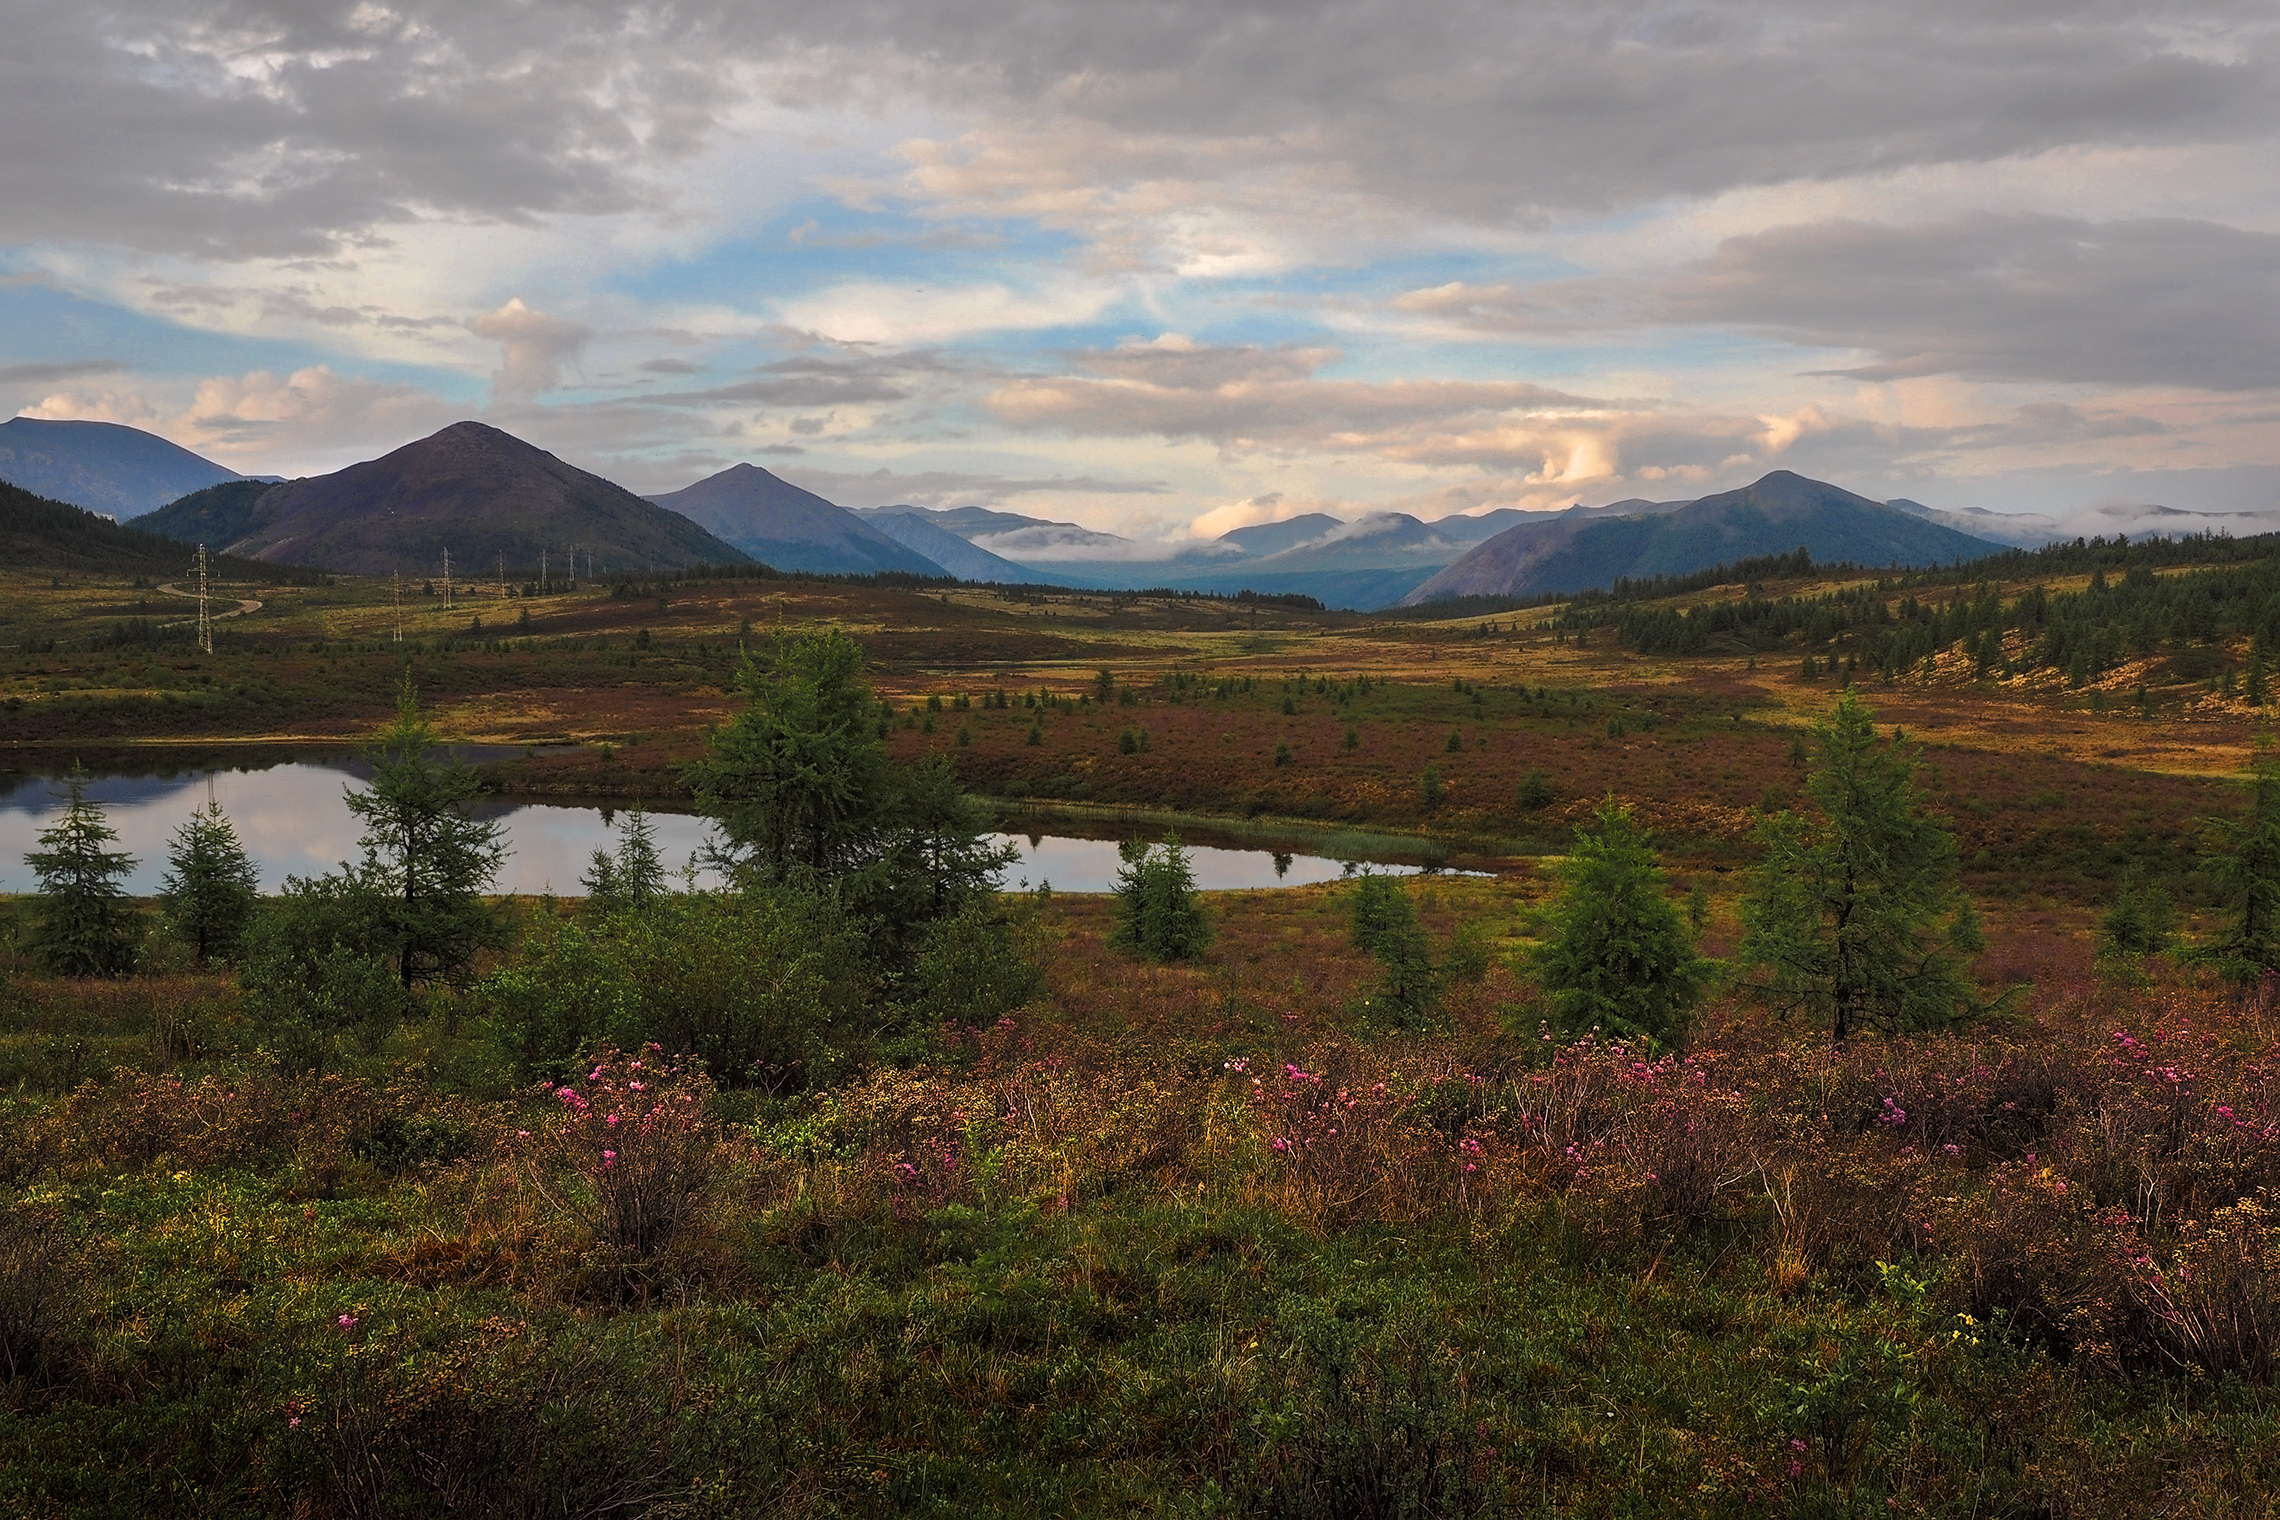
1180 364
935 488
236 128
794 390
1252 394
303 305
671 367
1494 110
2009 297
48 374
1261 407
1995 296
277 127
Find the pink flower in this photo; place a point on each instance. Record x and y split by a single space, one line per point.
346 1322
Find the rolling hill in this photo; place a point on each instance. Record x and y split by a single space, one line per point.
484 495
779 524
101 466
39 534
1779 512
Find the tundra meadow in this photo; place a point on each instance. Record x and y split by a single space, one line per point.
1828 1067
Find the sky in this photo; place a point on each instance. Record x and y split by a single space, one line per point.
1174 268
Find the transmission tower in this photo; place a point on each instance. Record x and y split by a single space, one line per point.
396 600
447 580
502 575
205 617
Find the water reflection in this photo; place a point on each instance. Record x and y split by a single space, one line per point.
1090 865
293 822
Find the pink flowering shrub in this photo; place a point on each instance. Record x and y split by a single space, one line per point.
633 1137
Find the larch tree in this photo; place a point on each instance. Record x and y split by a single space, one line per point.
2248 873
1855 917
807 800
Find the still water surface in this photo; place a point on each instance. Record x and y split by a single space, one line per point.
294 822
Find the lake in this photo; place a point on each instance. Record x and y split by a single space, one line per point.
294 822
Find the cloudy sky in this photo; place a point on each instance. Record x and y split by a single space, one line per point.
1174 267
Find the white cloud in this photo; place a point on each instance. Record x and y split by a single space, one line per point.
533 348
898 316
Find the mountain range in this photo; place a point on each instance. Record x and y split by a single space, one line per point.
488 498
123 472
496 502
1573 551
779 524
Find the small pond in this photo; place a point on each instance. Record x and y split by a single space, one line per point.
294 822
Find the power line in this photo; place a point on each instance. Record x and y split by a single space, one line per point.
205 617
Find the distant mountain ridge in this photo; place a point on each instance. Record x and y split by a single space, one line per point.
779 524
487 497
968 562
1574 551
102 466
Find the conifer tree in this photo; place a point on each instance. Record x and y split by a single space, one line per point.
1854 916
427 860
1619 955
1157 913
1385 927
634 877
85 924
808 800
211 887
2249 875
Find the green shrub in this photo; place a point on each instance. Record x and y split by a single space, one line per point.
976 965
754 985
317 967
2142 921
1534 793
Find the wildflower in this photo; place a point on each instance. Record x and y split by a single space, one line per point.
346 1322
608 1157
